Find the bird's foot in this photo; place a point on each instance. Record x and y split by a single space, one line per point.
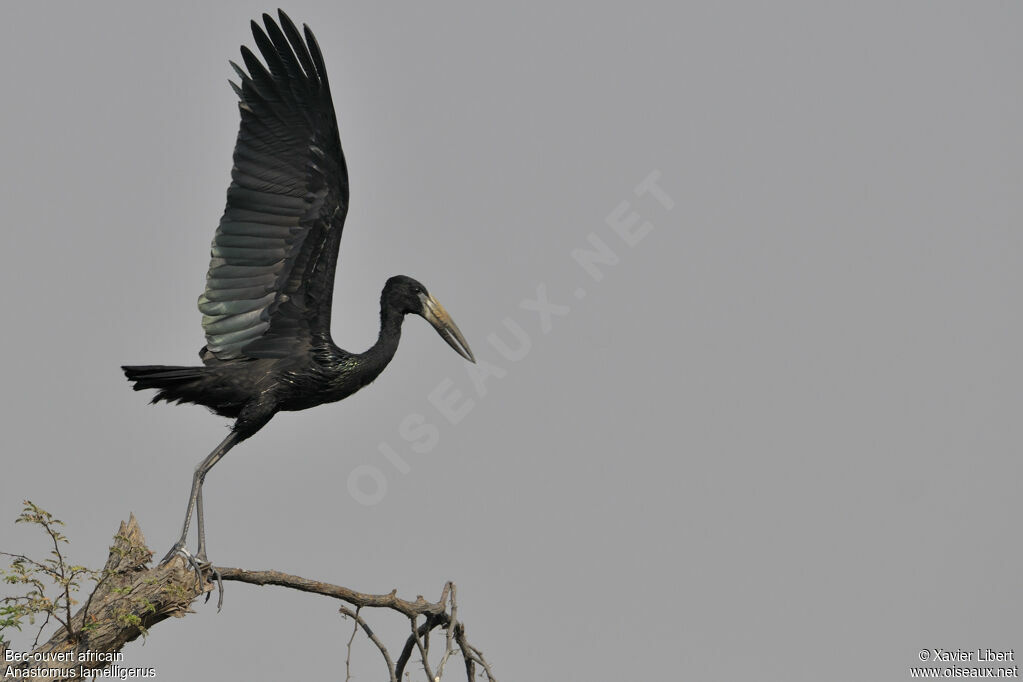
179 549
215 574
200 564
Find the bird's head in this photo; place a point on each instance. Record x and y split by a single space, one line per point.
409 296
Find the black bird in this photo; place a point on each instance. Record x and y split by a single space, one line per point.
266 308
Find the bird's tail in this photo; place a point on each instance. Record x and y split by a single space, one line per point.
174 383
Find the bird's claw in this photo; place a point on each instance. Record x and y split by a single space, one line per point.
180 550
215 574
200 564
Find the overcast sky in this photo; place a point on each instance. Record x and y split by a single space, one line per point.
770 431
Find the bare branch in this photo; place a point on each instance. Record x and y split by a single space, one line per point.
373 638
424 654
449 638
410 643
42 627
348 658
420 607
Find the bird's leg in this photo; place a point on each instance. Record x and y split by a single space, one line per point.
201 527
197 480
201 554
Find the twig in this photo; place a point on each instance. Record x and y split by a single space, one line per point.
410 643
449 638
470 662
348 658
373 638
35 642
419 644
66 582
22 557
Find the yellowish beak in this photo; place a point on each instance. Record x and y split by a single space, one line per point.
435 314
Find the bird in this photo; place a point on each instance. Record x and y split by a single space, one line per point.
266 308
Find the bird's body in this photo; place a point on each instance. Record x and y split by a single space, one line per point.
267 304
295 382
288 384
325 374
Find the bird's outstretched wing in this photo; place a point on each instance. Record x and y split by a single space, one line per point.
271 276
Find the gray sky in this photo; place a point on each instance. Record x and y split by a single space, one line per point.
778 439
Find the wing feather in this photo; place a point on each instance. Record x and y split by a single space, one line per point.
273 257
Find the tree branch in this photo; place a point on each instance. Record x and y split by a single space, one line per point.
130 598
419 607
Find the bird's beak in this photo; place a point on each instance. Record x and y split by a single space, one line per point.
435 314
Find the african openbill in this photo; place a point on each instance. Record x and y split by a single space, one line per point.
266 308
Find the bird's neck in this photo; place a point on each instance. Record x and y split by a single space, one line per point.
381 352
